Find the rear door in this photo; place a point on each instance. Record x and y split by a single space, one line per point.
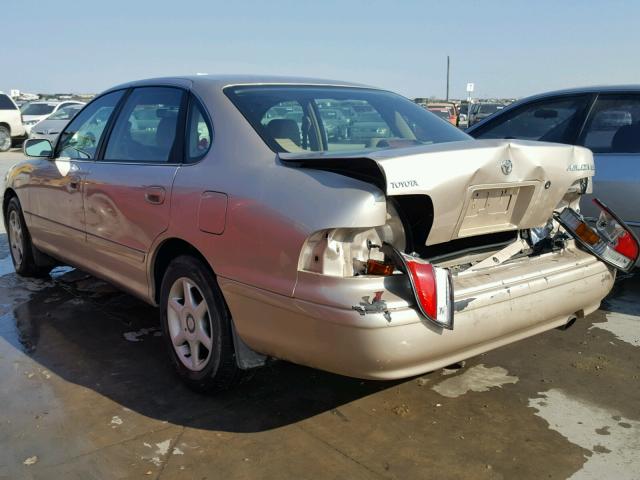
612 132
128 190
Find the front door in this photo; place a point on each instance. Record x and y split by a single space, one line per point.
55 207
128 192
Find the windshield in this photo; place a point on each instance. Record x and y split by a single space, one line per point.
65 113
37 109
292 119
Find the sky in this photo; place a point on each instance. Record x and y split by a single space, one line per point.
506 48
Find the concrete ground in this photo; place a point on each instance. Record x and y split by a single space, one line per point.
86 392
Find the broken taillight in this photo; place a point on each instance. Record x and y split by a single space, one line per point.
376 267
432 287
609 239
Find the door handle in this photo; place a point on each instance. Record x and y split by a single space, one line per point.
154 195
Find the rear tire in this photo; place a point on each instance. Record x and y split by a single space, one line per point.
5 139
20 245
196 326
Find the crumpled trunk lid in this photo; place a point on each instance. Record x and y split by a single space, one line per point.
476 187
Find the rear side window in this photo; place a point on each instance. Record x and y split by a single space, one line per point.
199 132
554 120
614 125
6 103
145 130
81 137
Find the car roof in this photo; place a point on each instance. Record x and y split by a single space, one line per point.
559 93
219 82
580 90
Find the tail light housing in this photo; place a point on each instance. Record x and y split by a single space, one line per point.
609 239
432 287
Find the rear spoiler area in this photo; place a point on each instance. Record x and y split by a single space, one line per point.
358 167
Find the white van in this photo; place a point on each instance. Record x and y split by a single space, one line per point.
11 127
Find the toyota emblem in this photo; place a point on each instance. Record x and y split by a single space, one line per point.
506 166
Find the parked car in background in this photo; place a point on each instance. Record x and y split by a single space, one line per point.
480 111
367 127
335 122
604 119
463 115
445 110
50 127
33 112
11 128
381 259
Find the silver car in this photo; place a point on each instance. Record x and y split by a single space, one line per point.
50 127
34 112
223 201
604 119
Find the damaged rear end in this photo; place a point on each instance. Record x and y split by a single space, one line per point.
483 244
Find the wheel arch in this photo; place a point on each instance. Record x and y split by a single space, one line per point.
9 193
166 251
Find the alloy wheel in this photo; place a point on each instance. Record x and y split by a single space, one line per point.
189 322
16 238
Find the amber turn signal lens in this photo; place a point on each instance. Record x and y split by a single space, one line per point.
376 267
587 234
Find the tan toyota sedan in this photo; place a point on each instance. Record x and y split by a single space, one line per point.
398 246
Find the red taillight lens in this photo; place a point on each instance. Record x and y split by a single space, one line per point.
627 246
432 286
424 279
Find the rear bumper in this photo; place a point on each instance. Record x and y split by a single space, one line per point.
319 326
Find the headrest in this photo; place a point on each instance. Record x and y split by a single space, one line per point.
627 139
284 128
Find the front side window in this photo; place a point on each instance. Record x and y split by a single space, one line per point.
81 137
554 120
614 125
337 119
145 130
199 132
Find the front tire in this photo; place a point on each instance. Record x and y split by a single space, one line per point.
196 326
20 244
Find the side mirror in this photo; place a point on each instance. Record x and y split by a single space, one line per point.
38 147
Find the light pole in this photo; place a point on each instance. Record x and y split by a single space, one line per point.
470 87
448 65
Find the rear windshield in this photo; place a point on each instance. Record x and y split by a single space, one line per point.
37 109
293 118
